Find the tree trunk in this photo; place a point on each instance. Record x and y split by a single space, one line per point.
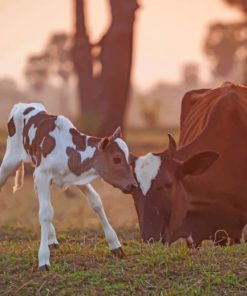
81 56
104 97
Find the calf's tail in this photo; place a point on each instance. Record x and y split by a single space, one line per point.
19 178
13 158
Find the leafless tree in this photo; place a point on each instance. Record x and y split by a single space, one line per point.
226 43
104 68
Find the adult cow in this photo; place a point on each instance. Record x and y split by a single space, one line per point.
211 120
162 197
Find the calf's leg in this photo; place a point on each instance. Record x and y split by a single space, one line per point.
42 184
96 203
52 238
11 161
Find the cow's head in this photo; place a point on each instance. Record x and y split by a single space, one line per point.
113 162
162 199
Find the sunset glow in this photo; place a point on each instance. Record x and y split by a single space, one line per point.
168 33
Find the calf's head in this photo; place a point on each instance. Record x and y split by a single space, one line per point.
113 162
162 198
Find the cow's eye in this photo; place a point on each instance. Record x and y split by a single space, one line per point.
168 186
117 160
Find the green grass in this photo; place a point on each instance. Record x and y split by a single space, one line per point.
84 266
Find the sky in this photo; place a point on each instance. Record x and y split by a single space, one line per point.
168 33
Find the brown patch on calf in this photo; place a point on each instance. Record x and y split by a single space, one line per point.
11 127
44 124
74 163
78 139
28 110
48 145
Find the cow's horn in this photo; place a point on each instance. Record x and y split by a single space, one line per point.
171 146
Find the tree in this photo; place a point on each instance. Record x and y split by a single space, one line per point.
104 95
54 60
240 4
190 74
226 44
51 78
58 52
36 70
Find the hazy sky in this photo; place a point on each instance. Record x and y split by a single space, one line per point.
169 33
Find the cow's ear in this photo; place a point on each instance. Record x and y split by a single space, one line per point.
117 133
197 164
103 143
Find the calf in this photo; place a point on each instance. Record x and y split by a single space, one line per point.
63 156
163 197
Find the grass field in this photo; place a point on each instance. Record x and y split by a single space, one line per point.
84 266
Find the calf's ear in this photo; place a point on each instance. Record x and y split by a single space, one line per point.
197 164
103 143
117 133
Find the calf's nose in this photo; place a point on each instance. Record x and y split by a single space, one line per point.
132 187
134 183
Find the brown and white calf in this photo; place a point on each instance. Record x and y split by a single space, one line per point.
63 156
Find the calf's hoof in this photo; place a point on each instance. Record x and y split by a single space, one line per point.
118 252
54 246
44 267
207 243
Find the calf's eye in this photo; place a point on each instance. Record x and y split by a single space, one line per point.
117 160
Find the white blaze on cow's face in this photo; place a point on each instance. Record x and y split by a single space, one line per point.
146 170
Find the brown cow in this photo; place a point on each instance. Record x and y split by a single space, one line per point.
211 120
163 197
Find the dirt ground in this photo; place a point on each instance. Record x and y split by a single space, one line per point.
71 208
